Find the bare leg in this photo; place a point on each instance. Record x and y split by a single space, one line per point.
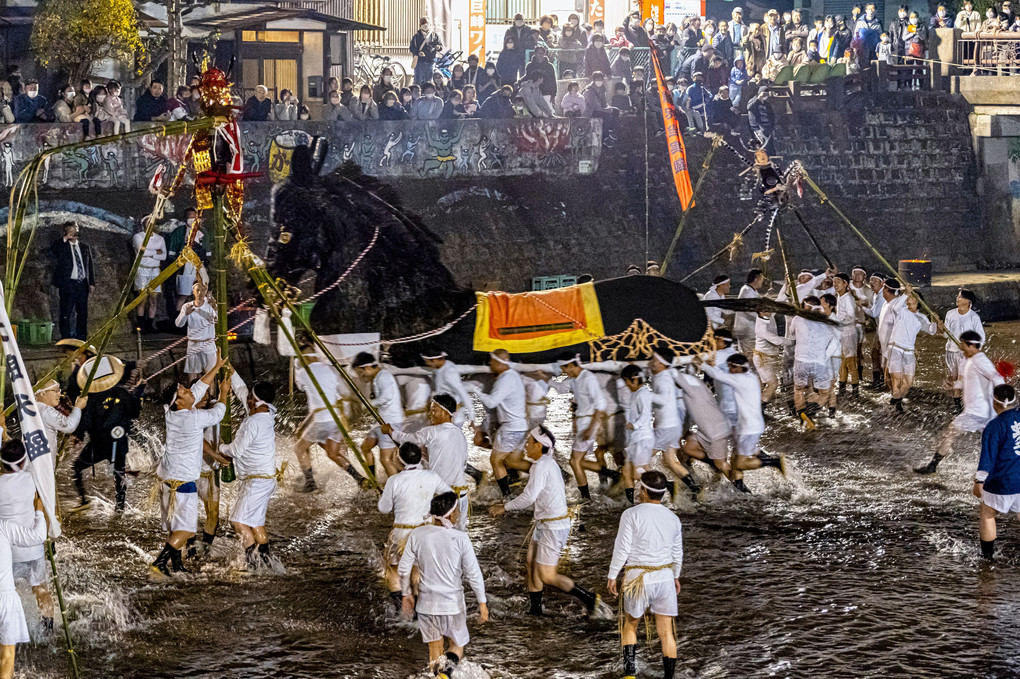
335 451
7 662
179 538
388 458
244 534
548 575
664 628
580 466
435 652
986 524
534 581
302 451
628 637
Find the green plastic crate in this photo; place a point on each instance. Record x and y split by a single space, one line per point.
35 332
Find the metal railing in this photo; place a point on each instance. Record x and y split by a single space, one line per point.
989 53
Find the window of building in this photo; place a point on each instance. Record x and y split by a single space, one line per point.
504 10
271 36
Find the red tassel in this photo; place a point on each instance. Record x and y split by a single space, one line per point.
1006 369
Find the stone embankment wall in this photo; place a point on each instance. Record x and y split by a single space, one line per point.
899 165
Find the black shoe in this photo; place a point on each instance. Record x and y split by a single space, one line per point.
309 486
610 475
931 467
630 660
177 562
476 474
263 550
159 566
692 484
739 485
842 389
251 557
536 603
47 625
855 391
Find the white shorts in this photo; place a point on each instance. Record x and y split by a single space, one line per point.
639 452
747 444
34 571
953 361
144 276
668 437
509 441
659 597
185 514
715 450
902 362
200 357
818 375
849 338
1004 504
321 431
251 503
549 544
582 445
436 627
208 490
383 440
966 422
768 366
13 627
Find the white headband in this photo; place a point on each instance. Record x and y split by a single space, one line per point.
661 360
445 518
878 276
576 359
653 491
442 406
52 384
19 461
498 359
368 365
715 286
1008 403
537 434
416 465
441 354
857 268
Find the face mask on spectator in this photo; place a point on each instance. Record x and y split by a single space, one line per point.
942 13
913 21
968 7
190 221
387 78
87 89
709 31
303 116
32 94
69 95
903 15
519 22
598 83
490 71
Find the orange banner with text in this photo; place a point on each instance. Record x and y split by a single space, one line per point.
654 9
596 11
476 30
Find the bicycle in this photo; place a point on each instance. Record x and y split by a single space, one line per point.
370 69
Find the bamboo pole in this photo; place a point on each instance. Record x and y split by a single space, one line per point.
716 142
222 328
63 610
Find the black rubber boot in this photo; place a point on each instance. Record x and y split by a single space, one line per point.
988 549
856 391
504 486
610 475
208 538
515 476
691 483
536 603
120 481
842 389
958 405
160 564
832 412
931 466
629 492
585 596
630 661
310 485
585 491
251 557
177 560
739 485
354 475
264 553
191 550
476 474
398 600
668 667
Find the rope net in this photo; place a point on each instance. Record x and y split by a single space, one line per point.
640 339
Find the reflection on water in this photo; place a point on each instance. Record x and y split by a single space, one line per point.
852 567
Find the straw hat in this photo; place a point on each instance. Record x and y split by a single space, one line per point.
108 375
71 344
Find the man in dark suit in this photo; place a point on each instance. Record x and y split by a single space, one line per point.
74 275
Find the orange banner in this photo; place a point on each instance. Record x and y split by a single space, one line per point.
596 11
476 30
674 140
537 321
656 10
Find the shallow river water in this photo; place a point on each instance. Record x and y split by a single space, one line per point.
852 567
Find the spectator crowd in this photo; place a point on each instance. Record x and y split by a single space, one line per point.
718 70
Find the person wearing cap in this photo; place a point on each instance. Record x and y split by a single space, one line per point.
444 558
446 380
738 31
319 427
719 289
200 316
750 425
696 100
744 321
507 398
902 361
385 398
446 448
640 435
253 453
668 411
15 534
425 45
649 551
148 268
893 306
958 321
54 421
112 407
873 310
590 408
181 466
27 561
997 481
547 495
978 378
813 344
408 496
